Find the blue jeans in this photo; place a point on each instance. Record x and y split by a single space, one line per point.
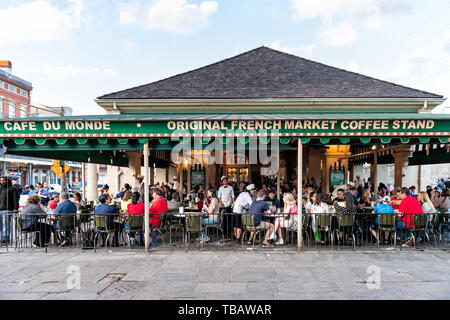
207 221
5 225
401 227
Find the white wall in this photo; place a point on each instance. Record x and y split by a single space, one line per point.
385 173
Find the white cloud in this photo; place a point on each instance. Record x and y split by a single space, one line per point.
176 16
353 67
326 9
303 51
427 68
340 35
39 20
52 72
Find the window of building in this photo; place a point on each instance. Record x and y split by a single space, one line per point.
12 111
24 93
23 111
2 84
12 88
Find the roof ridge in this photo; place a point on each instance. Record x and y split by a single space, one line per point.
359 74
186 72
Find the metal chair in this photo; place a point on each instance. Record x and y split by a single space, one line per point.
101 227
323 222
217 226
387 224
174 224
248 225
346 221
193 225
22 233
305 222
135 224
66 224
162 228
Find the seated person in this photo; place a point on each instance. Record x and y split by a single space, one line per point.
158 207
54 202
175 202
258 208
135 207
213 209
65 207
30 215
126 200
105 209
382 208
290 221
272 197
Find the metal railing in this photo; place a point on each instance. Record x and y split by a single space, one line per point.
195 230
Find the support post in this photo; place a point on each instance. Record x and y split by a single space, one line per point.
278 176
373 176
92 185
146 196
83 180
63 176
300 195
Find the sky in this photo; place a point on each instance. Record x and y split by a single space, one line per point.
74 51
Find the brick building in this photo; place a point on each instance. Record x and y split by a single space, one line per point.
14 93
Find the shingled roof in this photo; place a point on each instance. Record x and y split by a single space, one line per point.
267 73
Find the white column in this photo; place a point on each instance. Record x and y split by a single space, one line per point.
92 185
83 181
299 194
146 196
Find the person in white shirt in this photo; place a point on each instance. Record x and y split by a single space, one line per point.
139 185
175 184
226 199
226 195
241 205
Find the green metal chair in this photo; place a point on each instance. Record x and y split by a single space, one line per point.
193 225
346 221
162 228
217 226
442 220
323 222
387 224
135 224
101 227
248 225
67 224
420 226
305 222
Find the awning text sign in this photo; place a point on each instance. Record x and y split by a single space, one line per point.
326 126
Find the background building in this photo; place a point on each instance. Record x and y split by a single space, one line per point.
15 102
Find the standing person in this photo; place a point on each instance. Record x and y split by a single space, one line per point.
17 186
139 185
44 192
441 184
241 205
358 182
9 202
226 199
408 207
176 184
105 190
413 191
124 189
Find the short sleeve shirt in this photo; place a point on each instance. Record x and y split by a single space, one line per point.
258 208
409 205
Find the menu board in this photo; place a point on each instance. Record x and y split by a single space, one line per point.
337 178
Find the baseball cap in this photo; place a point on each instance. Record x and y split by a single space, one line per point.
250 187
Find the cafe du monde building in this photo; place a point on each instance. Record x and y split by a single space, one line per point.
314 120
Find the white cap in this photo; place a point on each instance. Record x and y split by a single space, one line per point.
174 178
251 187
221 179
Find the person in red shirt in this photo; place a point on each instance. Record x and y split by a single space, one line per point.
408 207
396 200
159 206
136 208
54 203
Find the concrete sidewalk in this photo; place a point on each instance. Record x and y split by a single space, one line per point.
32 274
